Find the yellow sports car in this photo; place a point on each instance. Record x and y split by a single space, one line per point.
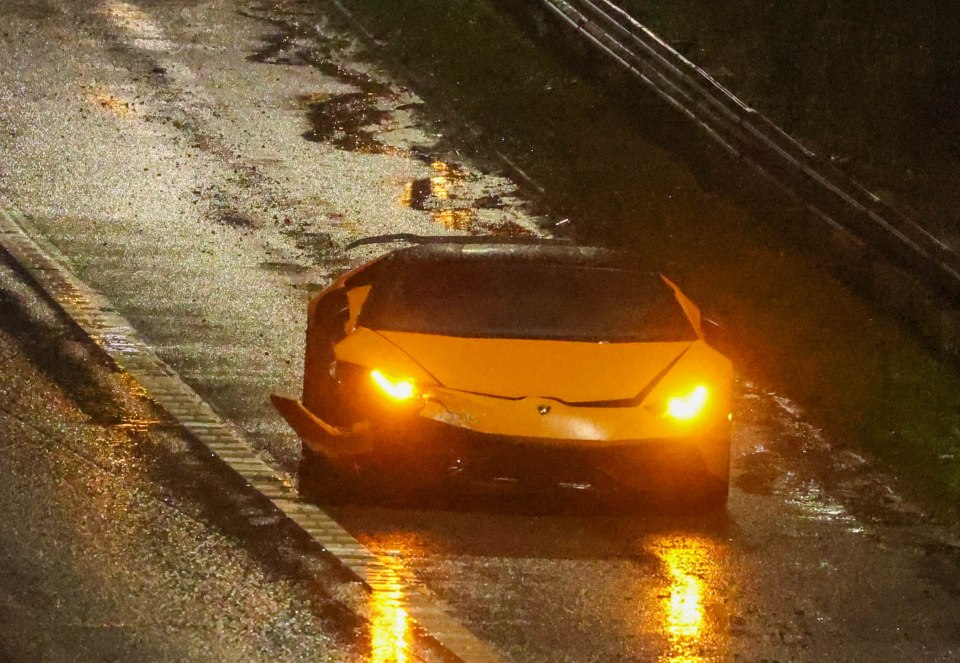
538 363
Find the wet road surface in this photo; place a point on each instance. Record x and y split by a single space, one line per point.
121 540
202 168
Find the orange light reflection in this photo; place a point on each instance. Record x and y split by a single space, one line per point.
455 219
406 198
431 194
685 610
111 103
389 622
441 182
440 186
694 633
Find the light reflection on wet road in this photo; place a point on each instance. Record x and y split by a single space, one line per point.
389 622
691 565
103 553
208 219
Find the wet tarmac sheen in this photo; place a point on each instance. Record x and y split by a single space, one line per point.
218 443
152 126
117 536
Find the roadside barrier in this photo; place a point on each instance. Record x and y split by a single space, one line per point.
903 265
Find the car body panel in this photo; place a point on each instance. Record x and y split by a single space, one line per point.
516 368
365 347
548 421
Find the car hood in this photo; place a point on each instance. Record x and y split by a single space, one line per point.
574 372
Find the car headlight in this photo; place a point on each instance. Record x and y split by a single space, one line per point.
398 389
689 405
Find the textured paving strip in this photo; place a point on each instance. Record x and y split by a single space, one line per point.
110 331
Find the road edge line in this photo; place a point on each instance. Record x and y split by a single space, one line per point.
94 315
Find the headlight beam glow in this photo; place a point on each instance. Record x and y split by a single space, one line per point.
397 389
688 406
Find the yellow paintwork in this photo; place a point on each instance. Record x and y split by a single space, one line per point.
496 385
569 371
563 425
365 347
317 433
356 297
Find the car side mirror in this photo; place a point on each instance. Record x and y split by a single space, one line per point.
331 314
713 330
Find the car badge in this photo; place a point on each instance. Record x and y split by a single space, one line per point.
543 409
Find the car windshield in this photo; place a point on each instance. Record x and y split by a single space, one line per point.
518 299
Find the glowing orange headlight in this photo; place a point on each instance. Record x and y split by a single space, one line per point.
688 406
396 388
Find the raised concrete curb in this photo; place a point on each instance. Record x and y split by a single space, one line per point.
113 334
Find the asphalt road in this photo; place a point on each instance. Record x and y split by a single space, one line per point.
204 169
121 540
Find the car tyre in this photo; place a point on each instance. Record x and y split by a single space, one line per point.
323 482
714 493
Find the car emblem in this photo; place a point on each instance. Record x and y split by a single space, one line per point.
543 409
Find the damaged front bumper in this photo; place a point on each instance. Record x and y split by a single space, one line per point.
434 440
321 436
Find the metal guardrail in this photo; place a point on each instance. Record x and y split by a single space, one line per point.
746 134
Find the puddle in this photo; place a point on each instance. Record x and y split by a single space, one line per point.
456 219
453 197
507 228
283 267
437 193
760 475
816 505
427 193
346 75
295 45
694 609
111 103
31 11
352 122
279 48
345 121
235 219
489 202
